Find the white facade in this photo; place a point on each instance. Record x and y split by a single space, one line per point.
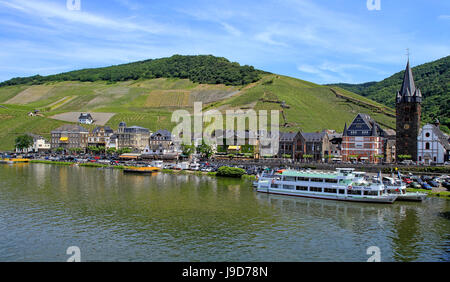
39 144
432 145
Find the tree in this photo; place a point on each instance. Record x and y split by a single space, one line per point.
111 151
75 150
187 150
24 142
205 150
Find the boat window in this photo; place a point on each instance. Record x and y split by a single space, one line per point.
354 192
315 189
371 193
302 188
341 191
290 187
302 179
274 186
317 179
289 178
328 180
330 190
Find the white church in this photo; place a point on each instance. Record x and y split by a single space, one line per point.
433 145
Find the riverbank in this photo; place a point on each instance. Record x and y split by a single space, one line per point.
432 193
170 171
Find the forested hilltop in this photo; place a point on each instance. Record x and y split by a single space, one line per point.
432 78
205 69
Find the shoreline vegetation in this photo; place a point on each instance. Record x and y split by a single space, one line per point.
431 193
171 171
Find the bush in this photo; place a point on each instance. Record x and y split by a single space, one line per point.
230 172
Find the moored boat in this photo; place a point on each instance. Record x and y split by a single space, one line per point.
342 185
141 170
397 187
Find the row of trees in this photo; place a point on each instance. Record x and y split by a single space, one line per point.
202 69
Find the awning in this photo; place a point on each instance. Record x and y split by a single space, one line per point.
364 158
237 148
64 139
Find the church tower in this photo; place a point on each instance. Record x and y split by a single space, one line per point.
408 107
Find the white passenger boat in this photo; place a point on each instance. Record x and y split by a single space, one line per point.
397 187
342 185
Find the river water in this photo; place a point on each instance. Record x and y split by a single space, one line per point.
111 216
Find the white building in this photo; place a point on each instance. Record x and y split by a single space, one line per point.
433 145
39 145
85 118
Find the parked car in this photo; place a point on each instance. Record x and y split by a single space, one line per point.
426 186
446 184
415 185
433 183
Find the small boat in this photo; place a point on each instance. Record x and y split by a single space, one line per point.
342 185
141 170
397 187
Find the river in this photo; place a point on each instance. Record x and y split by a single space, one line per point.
111 216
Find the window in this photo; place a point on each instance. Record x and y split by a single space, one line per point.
331 180
290 187
341 191
302 188
371 193
427 146
317 179
289 178
427 134
315 189
330 190
302 179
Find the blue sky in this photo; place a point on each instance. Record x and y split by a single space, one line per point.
322 41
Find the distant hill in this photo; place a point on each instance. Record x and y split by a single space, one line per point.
201 69
432 78
149 102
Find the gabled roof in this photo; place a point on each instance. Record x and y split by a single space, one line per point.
288 136
85 116
70 128
369 122
442 137
313 136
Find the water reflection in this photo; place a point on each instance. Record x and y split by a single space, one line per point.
164 217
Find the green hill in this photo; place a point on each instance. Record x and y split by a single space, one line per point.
150 102
432 78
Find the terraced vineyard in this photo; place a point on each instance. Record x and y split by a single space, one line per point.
150 103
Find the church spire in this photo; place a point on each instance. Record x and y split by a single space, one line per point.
409 92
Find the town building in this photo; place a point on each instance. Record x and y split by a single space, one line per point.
161 145
292 145
69 136
100 136
335 144
85 118
40 144
433 145
317 145
134 137
408 112
237 142
363 140
389 146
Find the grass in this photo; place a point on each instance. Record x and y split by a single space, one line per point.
441 194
